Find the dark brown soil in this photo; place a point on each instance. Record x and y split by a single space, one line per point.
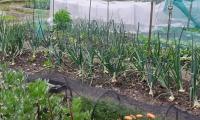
129 85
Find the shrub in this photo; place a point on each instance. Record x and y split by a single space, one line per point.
61 19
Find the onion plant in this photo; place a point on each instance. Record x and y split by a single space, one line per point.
75 52
149 61
138 58
112 59
177 68
116 45
137 53
76 56
57 53
44 33
162 75
156 61
89 56
195 72
33 39
162 68
12 38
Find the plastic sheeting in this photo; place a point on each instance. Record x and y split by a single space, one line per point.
129 12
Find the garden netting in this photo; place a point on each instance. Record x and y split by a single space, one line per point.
185 10
63 83
131 13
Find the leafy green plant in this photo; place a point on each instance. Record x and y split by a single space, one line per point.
61 19
28 101
81 108
21 100
48 63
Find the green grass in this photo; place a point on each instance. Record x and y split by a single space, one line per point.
8 18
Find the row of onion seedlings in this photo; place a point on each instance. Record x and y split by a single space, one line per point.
114 49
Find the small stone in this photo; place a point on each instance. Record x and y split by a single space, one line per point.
171 98
133 117
99 86
1 76
128 118
151 116
139 116
12 63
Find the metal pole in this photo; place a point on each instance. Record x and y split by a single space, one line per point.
89 19
90 10
53 9
108 16
170 8
33 12
191 5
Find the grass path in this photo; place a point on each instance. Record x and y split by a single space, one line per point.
17 11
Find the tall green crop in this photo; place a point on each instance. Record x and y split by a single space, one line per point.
195 74
12 38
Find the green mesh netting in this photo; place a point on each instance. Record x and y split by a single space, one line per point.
185 10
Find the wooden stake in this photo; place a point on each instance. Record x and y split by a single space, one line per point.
150 29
